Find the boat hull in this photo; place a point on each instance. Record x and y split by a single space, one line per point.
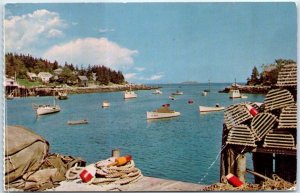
156 115
210 109
43 110
77 122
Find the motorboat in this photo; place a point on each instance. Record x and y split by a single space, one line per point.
235 93
46 109
162 112
157 91
77 122
105 104
204 93
211 109
129 94
62 96
177 93
10 96
171 97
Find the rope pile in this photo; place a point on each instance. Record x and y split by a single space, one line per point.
113 176
276 183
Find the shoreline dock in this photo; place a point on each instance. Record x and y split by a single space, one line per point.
144 184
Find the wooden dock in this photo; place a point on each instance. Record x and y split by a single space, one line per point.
144 184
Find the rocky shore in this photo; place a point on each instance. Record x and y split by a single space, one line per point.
249 89
50 91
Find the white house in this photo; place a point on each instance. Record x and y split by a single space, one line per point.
32 76
58 71
45 76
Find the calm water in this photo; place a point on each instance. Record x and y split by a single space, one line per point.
181 148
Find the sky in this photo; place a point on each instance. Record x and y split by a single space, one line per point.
157 42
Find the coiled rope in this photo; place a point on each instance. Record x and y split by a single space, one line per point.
113 176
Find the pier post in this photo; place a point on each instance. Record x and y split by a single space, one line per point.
241 167
115 153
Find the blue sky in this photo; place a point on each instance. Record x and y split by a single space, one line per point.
157 42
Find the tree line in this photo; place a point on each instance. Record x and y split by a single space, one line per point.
269 74
20 64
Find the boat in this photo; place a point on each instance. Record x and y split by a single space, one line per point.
62 95
207 90
10 96
235 93
129 94
171 97
157 91
211 109
77 122
204 93
162 112
177 93
46 109
190 101
105 104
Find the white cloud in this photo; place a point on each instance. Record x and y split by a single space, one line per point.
156 77
139 69
130 76
106 30
26 32
92 51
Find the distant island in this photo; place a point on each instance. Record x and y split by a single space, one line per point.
190 82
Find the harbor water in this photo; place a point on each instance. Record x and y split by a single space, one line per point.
184 148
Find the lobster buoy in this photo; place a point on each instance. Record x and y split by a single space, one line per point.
88 173
233 180
251 110
120 161
190 101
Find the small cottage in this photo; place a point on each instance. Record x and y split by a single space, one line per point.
32 76
45 76
83 81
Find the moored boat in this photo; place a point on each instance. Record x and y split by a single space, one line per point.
157 91
235 93
210 109
46 109
62 96
83 121
177 93
204 93
105 104
162 112
129 94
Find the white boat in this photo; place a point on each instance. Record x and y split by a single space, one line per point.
157 91
10 96
171 97
83 121
235 93
204 93
129 94
46 109
244 96
105 104
162 112
62 95
177 93
210 109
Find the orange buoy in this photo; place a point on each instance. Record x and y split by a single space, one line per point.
120 161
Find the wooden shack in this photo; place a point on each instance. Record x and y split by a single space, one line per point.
270 136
